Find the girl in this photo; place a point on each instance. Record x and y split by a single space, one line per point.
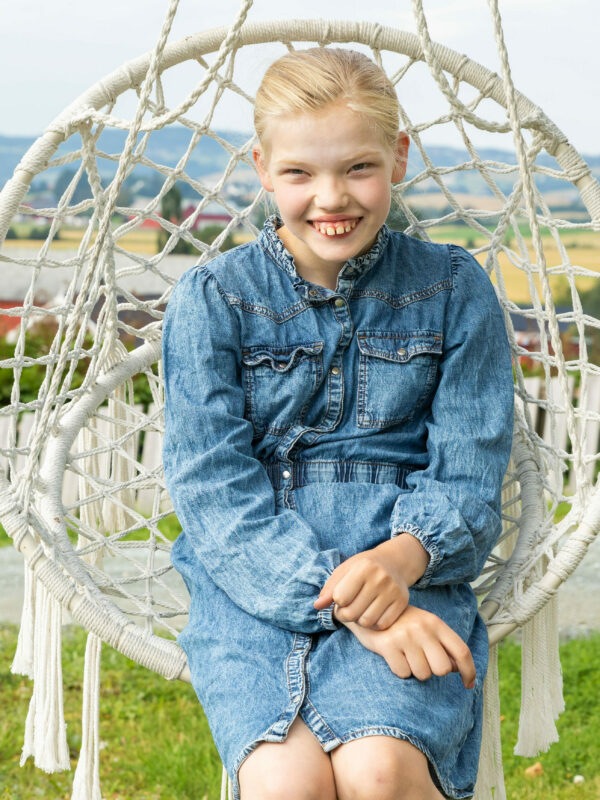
338 421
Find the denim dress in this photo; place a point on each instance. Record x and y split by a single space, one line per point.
304 425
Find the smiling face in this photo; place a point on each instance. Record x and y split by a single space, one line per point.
332 177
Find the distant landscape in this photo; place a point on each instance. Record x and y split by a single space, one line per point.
165 147
208 160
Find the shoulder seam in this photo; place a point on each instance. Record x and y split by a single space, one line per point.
454 254
225 295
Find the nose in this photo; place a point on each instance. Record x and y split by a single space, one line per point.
331 193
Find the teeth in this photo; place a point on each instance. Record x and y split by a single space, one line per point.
334 228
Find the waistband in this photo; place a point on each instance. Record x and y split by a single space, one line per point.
333 471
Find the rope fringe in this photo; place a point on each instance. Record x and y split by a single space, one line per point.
23 660
86 783
45 727
541 683
490 777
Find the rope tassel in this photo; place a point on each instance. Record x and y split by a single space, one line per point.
23 660
490 776
541 682
45 727
86 783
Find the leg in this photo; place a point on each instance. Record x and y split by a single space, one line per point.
382 768
297 769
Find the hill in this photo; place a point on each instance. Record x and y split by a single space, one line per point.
165 147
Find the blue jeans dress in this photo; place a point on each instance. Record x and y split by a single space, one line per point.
304 425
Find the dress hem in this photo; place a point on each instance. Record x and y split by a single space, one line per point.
449 791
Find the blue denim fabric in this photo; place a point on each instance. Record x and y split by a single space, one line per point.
304 425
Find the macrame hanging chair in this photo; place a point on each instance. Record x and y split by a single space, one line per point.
82 492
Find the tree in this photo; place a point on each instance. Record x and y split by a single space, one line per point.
170 205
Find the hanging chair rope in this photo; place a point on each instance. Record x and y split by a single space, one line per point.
82 492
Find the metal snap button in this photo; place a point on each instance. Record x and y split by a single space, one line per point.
401 351
335 370
281 363
286 473
313 292
339 301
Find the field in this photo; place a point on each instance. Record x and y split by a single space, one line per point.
582 246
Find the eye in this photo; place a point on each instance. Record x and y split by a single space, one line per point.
362 165
295 171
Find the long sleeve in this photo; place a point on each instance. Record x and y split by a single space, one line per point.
267 561
453 506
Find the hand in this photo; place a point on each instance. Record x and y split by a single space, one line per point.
419 643
366 588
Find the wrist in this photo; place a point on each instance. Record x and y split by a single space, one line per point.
409 556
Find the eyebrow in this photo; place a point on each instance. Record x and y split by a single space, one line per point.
373 154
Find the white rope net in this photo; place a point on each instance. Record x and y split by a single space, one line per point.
82 492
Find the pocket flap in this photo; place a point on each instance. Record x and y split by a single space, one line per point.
399 346
279 357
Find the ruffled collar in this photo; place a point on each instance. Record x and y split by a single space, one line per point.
352 269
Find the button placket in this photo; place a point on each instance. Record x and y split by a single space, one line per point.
333 413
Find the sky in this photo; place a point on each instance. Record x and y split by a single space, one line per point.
52 51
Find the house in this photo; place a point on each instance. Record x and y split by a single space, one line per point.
527 334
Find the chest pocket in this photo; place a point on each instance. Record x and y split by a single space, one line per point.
396 376
279 383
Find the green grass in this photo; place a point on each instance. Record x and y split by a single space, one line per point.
157 743
158 746
578 750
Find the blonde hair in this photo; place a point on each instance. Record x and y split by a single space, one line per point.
309 80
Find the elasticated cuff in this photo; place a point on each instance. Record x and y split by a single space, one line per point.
327 620
427 541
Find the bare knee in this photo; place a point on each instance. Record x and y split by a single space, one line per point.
383 769
297 769
274 784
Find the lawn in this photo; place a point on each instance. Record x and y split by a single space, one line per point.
156 743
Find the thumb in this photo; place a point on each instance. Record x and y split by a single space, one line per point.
325 598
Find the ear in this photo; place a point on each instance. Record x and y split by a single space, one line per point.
261 168
402 144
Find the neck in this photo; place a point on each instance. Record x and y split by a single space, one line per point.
320 274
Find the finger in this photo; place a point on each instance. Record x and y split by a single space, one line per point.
399 665
324 599
392 613
359 605
459 651
326 594
381 614
438 658
373 599
417 661
348 589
